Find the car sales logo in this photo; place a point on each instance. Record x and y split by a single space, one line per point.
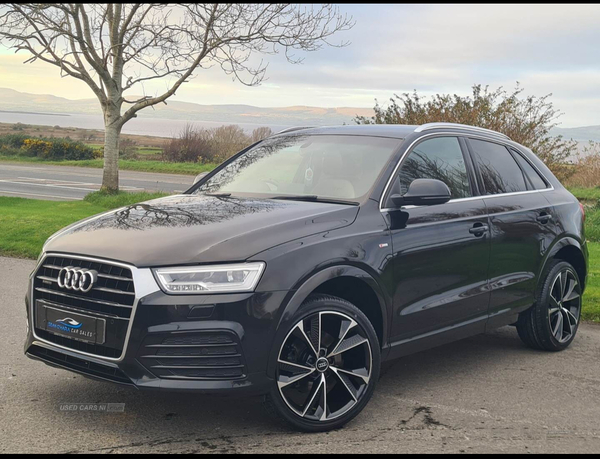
70 326
66 325
70 323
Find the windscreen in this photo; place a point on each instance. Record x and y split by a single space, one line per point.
326 166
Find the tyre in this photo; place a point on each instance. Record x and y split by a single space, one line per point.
328 366
552 323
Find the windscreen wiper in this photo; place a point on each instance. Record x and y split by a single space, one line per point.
314 198
218 195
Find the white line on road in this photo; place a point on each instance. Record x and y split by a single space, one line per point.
55 182
40 195
67 182
48 186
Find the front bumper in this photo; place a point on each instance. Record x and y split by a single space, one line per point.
205 344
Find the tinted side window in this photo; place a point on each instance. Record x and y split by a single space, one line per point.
440 158
534 177
499 170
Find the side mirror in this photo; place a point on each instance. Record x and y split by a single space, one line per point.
423 192
200 177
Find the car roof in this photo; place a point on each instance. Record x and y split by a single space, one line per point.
398 131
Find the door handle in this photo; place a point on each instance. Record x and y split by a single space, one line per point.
479 230
544 218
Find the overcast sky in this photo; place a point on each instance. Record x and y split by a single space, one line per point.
399 48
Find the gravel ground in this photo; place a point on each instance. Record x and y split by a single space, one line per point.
485 394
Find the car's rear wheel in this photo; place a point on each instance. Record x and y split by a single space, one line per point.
553 321
327 365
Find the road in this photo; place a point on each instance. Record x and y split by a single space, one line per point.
485 394
60 183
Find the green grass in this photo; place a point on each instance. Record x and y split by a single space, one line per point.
149 151
25 224
143 151
126 165
591 300
110 201
586 194
592 228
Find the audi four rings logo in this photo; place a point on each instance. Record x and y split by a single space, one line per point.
78 280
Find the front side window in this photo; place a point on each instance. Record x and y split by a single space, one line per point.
440 158
499 170
323 166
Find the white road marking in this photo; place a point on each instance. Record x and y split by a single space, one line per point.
66 183
56 182
40 195
45 185
95 187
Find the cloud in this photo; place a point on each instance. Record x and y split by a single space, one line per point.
398 48
38 78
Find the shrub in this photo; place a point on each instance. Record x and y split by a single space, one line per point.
5 150
526 120
586 168
44 148
19 127
210 145
128 149
36 148
13 140
260 134
189 146
66 149
98 153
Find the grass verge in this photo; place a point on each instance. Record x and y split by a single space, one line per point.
25 224
591 300
125 165
586 194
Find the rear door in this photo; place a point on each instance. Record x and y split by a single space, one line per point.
522 226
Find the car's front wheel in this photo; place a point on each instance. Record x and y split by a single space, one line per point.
327 365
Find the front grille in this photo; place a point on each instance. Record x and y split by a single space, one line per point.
112 299
81 366
194 355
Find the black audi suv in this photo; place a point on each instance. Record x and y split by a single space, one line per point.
298 266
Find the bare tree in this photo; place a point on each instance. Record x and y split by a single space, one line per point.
116 48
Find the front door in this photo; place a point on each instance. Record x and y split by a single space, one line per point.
441 253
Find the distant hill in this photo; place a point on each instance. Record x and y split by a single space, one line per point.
11 100
581 134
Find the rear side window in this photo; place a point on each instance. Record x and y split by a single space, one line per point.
440 158
535 180
499 170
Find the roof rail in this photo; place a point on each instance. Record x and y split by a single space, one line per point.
297 128
429 126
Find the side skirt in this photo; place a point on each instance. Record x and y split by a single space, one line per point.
437 338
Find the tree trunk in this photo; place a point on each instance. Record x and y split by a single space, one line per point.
112 134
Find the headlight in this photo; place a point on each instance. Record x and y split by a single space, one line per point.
210 279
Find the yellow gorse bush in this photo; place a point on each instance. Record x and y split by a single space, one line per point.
37 146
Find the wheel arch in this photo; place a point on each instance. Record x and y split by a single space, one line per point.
570 250
343 281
